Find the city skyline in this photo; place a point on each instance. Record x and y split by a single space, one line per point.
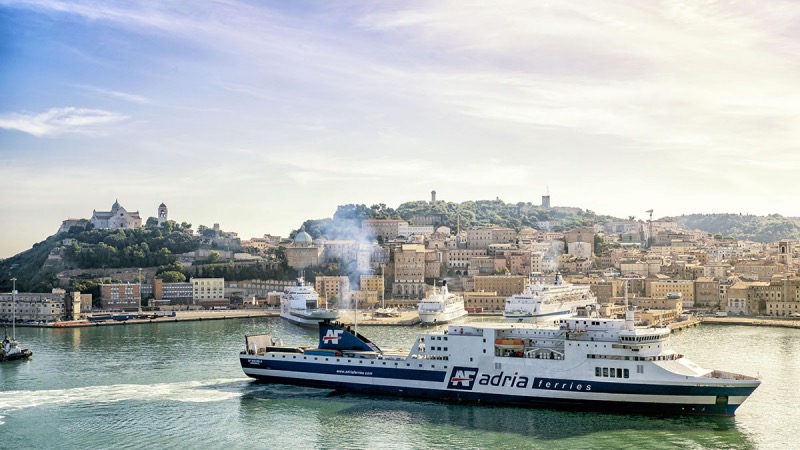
262 115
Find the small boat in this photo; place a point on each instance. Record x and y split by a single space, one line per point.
100 318
11 351
387 312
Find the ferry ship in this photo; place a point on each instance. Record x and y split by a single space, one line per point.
441 307
582 364
548 302
300 305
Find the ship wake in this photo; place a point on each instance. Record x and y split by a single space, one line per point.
206 391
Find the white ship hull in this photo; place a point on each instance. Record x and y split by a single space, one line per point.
440 317
586 365
526 317
309 318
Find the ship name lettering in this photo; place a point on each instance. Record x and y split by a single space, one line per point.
504 380
561 385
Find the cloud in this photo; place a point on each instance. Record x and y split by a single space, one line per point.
56 121
133 98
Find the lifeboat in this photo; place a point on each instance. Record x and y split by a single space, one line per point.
510 344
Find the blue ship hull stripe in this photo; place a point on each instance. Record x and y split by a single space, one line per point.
721 408
367 370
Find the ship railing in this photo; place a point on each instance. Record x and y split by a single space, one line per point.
722 375
257 343
544 353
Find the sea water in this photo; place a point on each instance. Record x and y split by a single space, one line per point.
179 385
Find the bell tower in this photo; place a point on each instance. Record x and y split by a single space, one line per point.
162 214
785 254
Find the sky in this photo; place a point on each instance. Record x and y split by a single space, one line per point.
258 115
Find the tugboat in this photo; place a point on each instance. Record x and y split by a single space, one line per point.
10 351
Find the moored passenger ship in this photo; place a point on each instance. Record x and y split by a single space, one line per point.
441 306
299 305
583 363
542 302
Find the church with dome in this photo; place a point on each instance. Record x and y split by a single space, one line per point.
302 252
118 217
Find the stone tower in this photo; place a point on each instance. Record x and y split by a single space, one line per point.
433 196
162 214
785 254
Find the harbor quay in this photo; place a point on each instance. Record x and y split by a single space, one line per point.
752 321
348 317
368 317
180 316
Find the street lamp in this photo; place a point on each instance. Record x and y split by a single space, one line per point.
14 309
140 290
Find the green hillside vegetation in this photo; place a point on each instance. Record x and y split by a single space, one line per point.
346 222
143 247
91 249
771 228
29 268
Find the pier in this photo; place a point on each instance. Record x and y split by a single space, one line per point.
753 321
684 324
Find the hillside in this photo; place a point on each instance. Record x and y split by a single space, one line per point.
747 227
345 223
36 269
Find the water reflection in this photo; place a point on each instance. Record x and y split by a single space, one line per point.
330 419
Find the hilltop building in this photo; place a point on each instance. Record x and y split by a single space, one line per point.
162 214
118 217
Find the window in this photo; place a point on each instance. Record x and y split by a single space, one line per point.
605 371
597 371
625 373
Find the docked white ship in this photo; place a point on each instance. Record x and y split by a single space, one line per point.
541 302
441 307
300 305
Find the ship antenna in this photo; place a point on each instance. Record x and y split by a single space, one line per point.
629 319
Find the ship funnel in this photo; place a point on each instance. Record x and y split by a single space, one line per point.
629 318
336 337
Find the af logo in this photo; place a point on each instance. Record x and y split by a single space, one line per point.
462 378
332 337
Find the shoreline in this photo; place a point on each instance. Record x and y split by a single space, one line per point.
752 322
180 316
407 318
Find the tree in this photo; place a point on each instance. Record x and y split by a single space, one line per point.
214 256
151 222
173 276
